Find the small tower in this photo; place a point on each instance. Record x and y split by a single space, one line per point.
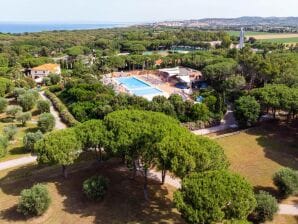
241 42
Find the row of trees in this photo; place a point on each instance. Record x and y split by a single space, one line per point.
148 139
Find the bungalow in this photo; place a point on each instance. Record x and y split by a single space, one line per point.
39 72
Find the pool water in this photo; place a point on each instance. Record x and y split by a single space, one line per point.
138 87
132 83
148 91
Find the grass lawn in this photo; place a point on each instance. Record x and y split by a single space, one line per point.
124 202
259 152
248 33
288 40
15 147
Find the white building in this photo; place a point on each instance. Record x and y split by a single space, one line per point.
39 72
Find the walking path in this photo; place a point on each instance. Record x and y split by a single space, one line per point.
228 122
17 162
58 122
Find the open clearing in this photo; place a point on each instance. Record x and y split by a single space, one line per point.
259 152
124 202
269 37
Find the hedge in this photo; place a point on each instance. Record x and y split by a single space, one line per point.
65 115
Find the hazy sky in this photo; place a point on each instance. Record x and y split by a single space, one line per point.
139 10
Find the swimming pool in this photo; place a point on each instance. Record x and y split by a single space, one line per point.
139 88
132 83
147 91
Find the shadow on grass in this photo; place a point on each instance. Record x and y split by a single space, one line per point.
273 191
31 130
17 151
7 120
123 203
279 143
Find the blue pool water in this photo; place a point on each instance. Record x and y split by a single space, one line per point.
148 91
132 83
138 87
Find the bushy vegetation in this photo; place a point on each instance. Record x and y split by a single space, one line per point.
43 106
34 201
24 117
10 131
95 101
286 181
267 207
3 146
247 111
28 100
3 104
46 122
14 110
214 196
6 86
30 139
95 187
62 109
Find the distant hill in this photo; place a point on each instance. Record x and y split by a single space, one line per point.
234 22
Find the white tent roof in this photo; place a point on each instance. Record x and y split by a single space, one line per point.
184 78
171 71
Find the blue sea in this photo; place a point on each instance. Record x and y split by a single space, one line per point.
34 27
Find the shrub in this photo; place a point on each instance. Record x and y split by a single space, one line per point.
34 201
266 208
43 106
95 187
3 146
200 112
30 139
10 131
247 111
18 91
3 104
24 117
55 79
27 101
14 110
214 196
5 86
47 81
286 181
46 122
55 88
65 115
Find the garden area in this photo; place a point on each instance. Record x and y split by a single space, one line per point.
24 117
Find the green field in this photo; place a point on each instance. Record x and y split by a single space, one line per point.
259 152
248 33
281 40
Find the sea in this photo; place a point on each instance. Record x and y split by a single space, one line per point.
18 28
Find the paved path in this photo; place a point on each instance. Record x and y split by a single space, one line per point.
17 162
58 124
227 123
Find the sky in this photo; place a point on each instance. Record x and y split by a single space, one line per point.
85 11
